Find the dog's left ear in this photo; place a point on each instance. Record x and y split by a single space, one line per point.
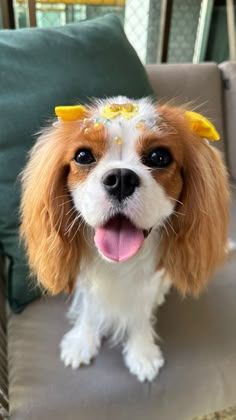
197 245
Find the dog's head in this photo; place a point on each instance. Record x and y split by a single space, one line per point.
120 169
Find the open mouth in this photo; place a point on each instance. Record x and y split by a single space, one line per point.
119 239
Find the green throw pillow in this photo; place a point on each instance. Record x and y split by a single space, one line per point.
39 69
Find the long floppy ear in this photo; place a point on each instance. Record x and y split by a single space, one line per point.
197 244
46 210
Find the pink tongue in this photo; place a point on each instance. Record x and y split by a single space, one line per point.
118 239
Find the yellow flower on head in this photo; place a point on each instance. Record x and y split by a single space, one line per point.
112 111
70 113
202 126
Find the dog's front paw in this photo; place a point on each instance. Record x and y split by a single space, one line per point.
78 348
144 361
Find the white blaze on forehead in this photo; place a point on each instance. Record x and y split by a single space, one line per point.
126 129
146 108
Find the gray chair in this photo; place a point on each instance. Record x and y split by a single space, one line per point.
198 336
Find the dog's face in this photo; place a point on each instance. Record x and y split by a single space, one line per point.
124 169
125 178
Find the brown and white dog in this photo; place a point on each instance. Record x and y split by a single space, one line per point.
120 201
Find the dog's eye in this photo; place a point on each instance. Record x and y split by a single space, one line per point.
84 157
158 158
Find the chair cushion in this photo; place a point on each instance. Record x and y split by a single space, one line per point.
198 341
41 68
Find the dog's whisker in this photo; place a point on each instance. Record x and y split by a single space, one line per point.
71 210
71 225
177 201
71 215
170 225
59 222
60 196
164 226
178 213
76 231
66 202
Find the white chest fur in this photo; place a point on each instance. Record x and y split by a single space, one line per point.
117 300
117 294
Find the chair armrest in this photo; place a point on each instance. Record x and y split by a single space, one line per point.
197 84
3 349
228 70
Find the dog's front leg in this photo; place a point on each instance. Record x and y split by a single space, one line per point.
142 356
81 344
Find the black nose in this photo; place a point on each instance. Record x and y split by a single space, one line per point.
120 183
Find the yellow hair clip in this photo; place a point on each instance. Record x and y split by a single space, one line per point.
70 113
202 126
127 111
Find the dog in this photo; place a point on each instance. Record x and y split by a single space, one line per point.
121 200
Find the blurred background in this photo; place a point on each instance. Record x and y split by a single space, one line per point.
160 30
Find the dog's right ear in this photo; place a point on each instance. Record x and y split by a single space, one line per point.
46 212
196 244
